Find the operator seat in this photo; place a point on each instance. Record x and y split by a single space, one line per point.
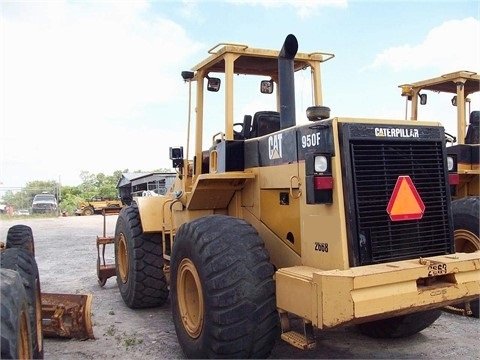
473 131
247 126
265 122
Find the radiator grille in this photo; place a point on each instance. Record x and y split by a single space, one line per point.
376 166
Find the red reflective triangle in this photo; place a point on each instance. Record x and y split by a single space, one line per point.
405 202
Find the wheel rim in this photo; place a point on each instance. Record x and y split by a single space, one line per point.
38 305
122 258
190 298
466 241
24 351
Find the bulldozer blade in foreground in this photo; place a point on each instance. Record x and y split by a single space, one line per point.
67 316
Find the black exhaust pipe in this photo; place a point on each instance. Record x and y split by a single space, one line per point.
287 82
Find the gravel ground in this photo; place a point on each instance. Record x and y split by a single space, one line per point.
66 254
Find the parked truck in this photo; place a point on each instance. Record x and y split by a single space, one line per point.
328 220
44 203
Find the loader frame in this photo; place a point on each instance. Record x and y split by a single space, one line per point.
298 186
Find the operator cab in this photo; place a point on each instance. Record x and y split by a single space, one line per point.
263 123
233 69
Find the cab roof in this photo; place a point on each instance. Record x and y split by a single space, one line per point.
448 83
254 61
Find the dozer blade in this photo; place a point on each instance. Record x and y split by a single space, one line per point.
67 316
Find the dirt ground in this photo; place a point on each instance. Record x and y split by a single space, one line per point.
66 254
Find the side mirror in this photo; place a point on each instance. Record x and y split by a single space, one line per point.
454 100
266 86
423 99
187 75
176 155
213 84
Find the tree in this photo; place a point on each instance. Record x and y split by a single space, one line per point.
22 199
18 199
99 185
69 196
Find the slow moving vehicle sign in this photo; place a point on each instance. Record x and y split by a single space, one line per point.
405 202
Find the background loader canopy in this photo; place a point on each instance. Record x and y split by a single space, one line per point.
461 86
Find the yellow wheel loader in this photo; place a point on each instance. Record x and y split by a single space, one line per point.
278 214
462 157
96 205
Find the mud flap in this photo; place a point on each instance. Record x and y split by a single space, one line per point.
67 315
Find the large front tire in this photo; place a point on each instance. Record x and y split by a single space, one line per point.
466 224
222 288
400 326
138 262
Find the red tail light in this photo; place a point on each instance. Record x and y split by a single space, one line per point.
454 179
323 182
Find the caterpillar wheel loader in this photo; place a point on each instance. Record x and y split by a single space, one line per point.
96 205
463 157
27 314
281 224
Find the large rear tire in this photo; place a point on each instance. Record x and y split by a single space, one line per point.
222 288
139 262
16 334
20 236
400 326
466 224
23 262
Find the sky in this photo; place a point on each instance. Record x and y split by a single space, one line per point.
95 85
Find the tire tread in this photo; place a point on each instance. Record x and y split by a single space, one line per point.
146 285
241 316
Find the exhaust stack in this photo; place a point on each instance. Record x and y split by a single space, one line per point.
286 81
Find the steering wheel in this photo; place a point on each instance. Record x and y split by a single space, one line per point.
238 135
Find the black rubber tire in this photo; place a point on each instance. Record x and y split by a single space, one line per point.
466 214
145 284
237 290
87 211
474 307
23 262
15 327
400 326
20 236
315 113
466 217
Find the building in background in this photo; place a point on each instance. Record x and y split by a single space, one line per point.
143 184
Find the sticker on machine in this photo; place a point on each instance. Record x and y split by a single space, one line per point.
405 202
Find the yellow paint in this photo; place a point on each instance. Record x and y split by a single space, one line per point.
287 229
338 297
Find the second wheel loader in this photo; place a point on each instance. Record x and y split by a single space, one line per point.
463 154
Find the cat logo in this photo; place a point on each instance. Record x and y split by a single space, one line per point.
275 146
